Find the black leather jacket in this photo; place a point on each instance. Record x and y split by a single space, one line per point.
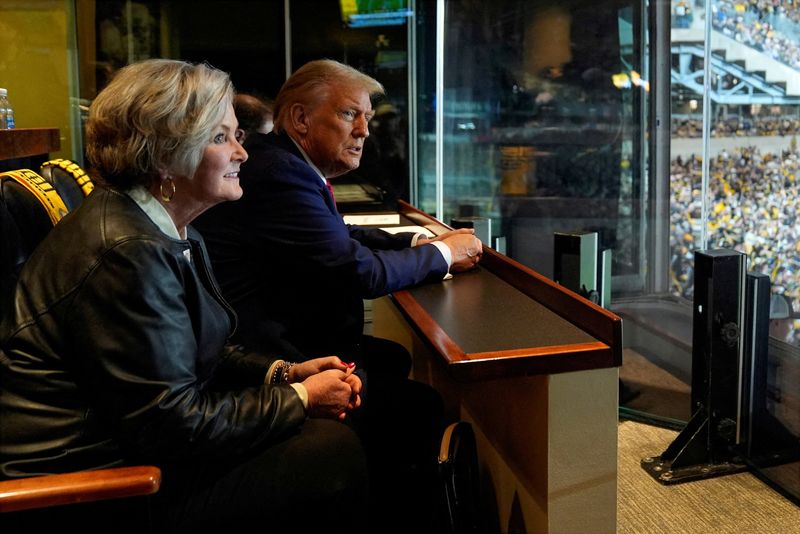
116 353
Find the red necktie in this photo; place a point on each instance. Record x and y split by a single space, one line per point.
330 188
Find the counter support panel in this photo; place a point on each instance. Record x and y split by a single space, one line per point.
534 368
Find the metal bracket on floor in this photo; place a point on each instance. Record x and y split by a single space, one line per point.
697 453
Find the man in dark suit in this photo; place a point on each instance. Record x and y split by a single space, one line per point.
284 257
292 269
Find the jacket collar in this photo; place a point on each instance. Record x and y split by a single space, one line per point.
284 141
153 208
308 160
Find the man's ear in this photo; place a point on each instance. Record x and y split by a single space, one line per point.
299 118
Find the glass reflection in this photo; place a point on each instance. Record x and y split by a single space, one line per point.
542 132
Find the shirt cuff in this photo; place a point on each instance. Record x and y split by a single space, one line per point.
302 392
415 239
445 250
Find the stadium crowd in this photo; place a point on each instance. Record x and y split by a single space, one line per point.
750 24
738 127
753 208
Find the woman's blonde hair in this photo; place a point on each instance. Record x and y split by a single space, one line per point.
309 84
156 115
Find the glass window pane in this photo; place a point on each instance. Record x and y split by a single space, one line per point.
542 133
752 198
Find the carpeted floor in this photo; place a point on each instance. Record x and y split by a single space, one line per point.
737 503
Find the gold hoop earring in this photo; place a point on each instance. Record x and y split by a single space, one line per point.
166 196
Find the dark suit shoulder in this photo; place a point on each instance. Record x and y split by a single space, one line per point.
265 148
275 162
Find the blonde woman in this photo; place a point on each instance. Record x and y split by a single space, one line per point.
117 350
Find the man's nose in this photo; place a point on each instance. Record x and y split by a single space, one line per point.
361 127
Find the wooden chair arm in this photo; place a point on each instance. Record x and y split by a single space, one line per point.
73 488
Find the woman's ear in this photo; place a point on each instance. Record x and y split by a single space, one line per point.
163 174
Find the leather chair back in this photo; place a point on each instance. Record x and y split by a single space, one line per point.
69 180
29 208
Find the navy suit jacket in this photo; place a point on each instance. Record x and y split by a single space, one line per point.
290 266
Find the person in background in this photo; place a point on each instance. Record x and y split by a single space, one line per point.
253 113
117 350
291 267
781 317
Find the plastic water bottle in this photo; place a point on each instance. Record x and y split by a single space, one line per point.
3 105
7 121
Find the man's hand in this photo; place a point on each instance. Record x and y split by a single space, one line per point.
466 250
442 237
331 395
326 397
303 370
355 385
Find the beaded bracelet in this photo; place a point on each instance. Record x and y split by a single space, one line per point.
276 373
285 372
281 373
